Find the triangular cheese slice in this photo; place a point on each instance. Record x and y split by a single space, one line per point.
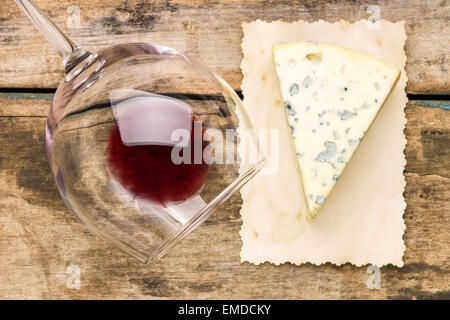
331 96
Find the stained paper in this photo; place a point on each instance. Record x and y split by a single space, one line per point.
361 221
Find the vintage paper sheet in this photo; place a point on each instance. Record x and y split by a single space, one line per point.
362 220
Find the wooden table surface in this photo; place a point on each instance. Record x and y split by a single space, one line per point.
40 238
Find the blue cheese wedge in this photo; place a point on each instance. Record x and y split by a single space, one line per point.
331 96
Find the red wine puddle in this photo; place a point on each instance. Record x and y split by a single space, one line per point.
148 172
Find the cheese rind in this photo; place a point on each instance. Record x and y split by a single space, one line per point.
331 96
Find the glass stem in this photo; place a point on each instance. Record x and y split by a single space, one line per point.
70 53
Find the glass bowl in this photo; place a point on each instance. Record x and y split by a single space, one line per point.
143 141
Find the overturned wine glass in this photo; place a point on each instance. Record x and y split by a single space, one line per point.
142 141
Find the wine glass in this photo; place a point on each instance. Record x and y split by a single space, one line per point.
142 140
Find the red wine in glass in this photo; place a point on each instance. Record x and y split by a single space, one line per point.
141 149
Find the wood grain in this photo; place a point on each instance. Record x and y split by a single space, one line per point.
40 238
211 32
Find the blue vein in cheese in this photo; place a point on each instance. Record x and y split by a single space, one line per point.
337 92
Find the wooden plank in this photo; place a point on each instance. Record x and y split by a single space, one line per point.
40 238
210 31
